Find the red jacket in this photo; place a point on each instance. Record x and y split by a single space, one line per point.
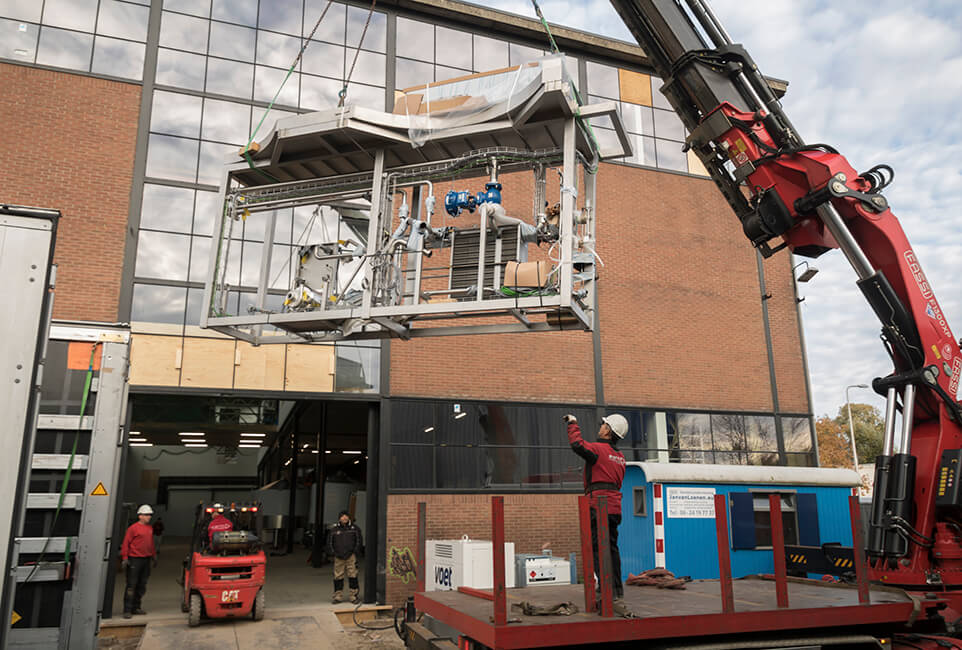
603 464
218 524
138 542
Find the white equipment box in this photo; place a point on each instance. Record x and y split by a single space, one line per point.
453 563
533 570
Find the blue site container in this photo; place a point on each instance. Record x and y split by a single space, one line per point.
668 514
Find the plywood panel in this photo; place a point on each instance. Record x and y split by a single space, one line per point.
310 368
259 368
208 363
694 164
155 360
635 87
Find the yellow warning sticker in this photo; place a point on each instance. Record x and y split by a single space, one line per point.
99 491
14 617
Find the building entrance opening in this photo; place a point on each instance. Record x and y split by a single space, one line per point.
301 463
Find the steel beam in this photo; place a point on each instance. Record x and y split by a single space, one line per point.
724 560
778 549
604 558
497 552
587 557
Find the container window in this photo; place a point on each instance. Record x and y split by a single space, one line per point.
639 501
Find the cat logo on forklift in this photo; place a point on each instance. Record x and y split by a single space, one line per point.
230 595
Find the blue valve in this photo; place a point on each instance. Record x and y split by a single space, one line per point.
455 202
491 194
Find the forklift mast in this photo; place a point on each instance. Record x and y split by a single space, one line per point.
809 199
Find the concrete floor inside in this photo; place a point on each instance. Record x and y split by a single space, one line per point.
291 583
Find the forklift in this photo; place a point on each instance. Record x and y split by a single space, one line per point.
225 571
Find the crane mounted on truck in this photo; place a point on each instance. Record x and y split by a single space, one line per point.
807 198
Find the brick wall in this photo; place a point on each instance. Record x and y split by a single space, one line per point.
69 144
530 521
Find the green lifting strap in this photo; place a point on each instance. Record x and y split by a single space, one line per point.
88 381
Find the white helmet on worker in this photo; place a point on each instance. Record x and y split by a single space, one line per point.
617 423
145 510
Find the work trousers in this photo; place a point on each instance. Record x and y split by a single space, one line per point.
613 522
346 566
138 570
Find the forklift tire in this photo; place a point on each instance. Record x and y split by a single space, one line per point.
257 612
195 610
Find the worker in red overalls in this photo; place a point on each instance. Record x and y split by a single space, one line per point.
604 472
137 552
219 524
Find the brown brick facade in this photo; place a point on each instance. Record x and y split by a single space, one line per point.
531 521
69 145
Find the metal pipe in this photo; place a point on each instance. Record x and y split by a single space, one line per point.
851 425
908 407
710 22
888 442
846 242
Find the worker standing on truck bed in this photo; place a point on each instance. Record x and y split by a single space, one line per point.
604 472
137 553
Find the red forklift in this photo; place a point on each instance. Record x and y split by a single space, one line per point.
225 571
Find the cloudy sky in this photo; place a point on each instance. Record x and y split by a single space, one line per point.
882 82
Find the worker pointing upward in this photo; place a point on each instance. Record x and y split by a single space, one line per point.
604 472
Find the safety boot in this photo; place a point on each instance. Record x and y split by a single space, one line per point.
338 597
355 597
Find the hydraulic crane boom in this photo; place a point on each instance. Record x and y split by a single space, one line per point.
809 199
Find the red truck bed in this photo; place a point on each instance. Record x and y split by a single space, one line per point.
666 613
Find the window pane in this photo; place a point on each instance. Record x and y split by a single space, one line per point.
277 50
453 48
199 258
282 226
324 59
232 42
18 41
658 99
367 96
798 434
459 467
668 126
157 304
70 14
670 155
268 80
376 37
241 12
213 157
412 73
282 16
331 28
415 40
65 49
180 69
172 158
230 78
415 421
519 54
122 20
318 93
118 58
800 460
412 467
251 264
196 7
226 121
167 208
369 69
603 80
161 255
358 368
195 302
489 54
175 114
28 10
282 266
205 212
638 119
643 150
444 73
184 32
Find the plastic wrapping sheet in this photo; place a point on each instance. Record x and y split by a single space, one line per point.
434 108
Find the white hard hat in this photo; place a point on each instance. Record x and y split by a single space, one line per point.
618 424
145 510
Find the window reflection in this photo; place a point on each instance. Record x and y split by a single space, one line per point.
369 68
18 41
668 126
251 264
603 80
167 208
453 48
743 436
184 32
332 27
658 99
213 157
240 12
195 302
180 69
196 7
230 78
118 58
318 93
518 54
175 114
172 158
281 16
283 261
798 434
64 49
324 59
232 42
415 40
123 20
277 50
489 54
638 119
642 150
205 211
28 10
357 368
443 73
158 304
670 155
161 255
268 80
70 14
199 259
411 73
376 37
226 121
366 96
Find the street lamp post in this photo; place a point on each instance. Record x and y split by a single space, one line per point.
851 425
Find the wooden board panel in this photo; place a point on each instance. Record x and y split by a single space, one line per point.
208 363
694 164
310 368
259 368
635 87
155 360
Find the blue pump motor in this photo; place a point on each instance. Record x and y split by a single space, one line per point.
455 202
491 194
